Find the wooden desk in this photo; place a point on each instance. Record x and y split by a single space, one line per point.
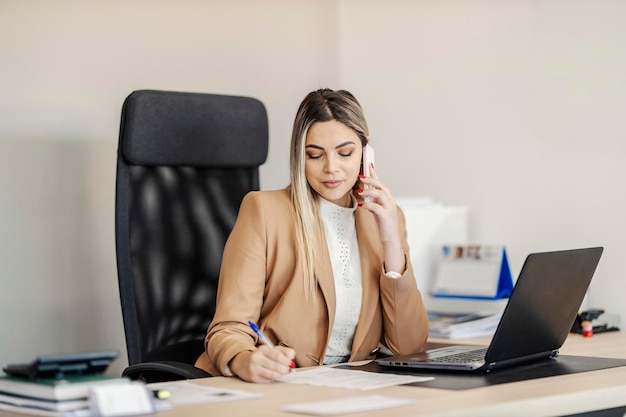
553 396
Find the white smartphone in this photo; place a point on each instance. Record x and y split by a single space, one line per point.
368 159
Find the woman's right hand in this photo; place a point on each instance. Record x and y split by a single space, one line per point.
264 364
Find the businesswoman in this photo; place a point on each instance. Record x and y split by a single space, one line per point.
326 275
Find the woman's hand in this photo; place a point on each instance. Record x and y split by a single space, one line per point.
264 364
384 208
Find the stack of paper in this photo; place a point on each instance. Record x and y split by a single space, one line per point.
462 325
51 396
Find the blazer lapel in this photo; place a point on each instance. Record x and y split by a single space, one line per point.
326 281
369 250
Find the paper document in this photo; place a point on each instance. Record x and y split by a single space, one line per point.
18 409
327 376
346 405
186 393
462 325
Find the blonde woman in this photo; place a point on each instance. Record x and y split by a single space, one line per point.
326 275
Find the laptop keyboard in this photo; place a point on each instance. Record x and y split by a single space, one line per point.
463 357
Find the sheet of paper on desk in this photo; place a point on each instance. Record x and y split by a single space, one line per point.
187 393
346 378
346 405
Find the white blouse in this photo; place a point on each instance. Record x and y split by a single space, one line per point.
340 230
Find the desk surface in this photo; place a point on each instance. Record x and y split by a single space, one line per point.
553 396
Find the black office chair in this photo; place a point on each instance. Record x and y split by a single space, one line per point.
185 162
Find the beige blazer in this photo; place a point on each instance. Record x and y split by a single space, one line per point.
261 280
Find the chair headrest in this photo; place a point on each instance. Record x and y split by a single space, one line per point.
193 129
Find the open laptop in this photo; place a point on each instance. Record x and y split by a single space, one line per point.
535 323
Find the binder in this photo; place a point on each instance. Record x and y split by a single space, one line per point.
476 271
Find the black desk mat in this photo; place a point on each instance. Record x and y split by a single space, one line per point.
605 412
560 365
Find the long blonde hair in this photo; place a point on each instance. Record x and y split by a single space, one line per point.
318 106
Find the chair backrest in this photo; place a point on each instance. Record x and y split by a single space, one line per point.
185 162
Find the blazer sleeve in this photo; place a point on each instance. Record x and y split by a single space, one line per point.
240 288
405 322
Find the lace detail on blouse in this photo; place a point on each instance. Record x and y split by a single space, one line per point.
343 247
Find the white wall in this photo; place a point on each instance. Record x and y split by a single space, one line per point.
514 108
508 107
66 68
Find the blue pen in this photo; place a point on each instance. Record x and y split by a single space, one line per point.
266 341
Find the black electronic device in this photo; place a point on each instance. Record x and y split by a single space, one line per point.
61 365
598 323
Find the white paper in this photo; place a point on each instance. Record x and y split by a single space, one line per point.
346 405
442 325
27 403
347 378
121 400
186 393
